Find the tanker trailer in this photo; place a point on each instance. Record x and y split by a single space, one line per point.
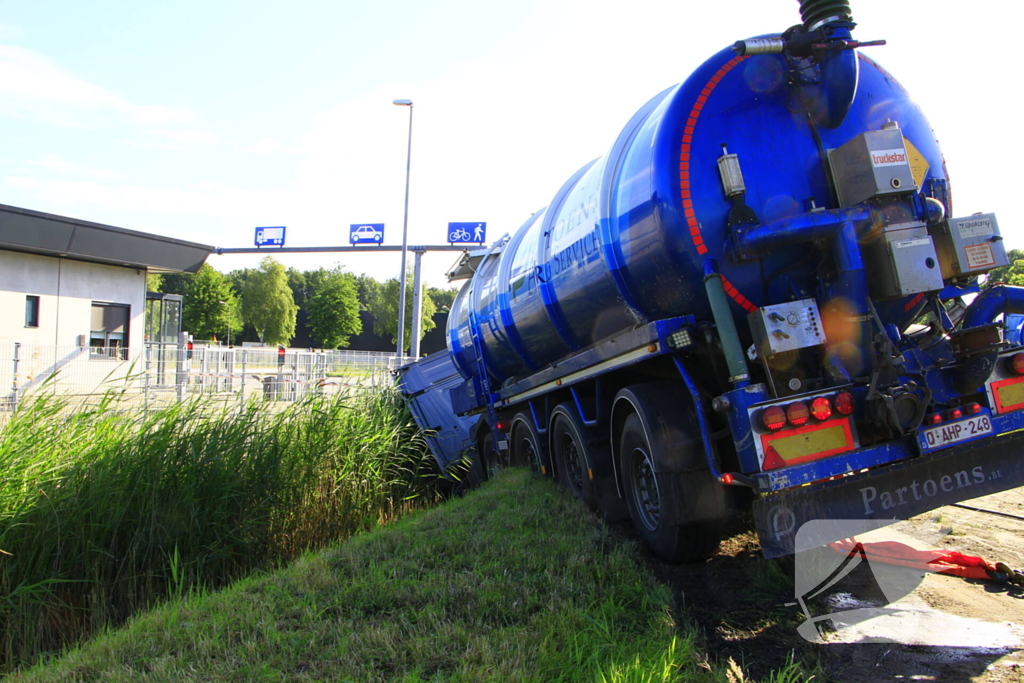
754 298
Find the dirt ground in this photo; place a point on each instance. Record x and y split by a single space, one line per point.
945 629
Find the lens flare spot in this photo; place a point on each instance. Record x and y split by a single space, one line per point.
763 75
780 206
842 330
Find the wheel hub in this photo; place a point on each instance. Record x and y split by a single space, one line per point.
645 490
574 470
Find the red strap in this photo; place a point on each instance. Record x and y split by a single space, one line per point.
896 553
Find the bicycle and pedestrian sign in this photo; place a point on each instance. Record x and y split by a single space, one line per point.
467 233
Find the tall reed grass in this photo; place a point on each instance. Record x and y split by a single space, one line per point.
105 510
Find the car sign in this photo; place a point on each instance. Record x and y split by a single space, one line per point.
366 233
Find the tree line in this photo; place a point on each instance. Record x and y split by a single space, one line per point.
1012 274
263 304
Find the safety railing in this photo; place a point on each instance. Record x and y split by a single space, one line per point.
161 373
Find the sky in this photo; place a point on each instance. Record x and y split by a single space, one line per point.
204 120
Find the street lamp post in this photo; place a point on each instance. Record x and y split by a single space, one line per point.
227 317
405 235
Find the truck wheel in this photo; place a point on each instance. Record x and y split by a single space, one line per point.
470 477
489 457
526 448
570 457
655 516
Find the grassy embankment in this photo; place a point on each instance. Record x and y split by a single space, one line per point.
514 582
107 510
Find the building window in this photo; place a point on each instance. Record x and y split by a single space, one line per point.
31 311
108 336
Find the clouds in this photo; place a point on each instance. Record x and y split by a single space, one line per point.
60 165
208 199
34 87
231 122
188 137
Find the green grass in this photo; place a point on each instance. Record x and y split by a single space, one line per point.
514 582
357 372
105 511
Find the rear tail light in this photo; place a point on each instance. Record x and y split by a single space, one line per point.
773 418
934 419
797 413
1015 364
954 414
972 408
821 408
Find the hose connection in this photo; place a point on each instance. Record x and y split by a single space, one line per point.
825 29
817 13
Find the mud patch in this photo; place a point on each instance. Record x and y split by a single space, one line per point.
948 629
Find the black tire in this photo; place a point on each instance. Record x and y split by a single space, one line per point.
470 473
525 447
490 459
657 518
569 453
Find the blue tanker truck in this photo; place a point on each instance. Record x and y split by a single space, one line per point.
756 298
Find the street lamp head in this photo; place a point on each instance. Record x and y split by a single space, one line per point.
403 103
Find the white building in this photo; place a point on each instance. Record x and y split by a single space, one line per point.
78 288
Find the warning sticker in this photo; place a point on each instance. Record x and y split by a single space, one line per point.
918 164
979 256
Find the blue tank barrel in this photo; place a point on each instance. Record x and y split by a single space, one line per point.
624 241
840 71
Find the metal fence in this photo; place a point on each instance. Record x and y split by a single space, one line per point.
162 373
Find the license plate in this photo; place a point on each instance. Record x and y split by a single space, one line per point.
951 433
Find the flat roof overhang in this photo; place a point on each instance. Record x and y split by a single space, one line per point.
46 234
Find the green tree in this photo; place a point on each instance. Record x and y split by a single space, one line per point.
299 285
209 307
268 304
175 283
443 298
383 306
304 284
367 288
154 281
237 279
333 308
1012 274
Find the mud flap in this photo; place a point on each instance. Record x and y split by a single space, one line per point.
694 495
892 493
